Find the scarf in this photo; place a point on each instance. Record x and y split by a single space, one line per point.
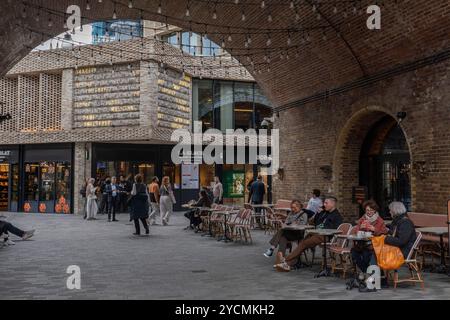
373 218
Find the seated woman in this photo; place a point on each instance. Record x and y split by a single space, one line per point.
194 215
402 233
362 253
283 237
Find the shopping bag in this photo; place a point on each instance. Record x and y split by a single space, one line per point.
388 257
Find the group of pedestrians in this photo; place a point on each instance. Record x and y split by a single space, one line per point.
144 203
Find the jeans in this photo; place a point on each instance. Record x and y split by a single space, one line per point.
112 207
363 258
6 227
166 208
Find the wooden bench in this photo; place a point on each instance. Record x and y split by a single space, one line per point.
423 220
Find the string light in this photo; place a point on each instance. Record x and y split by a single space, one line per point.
263 4
159 8
130 4
88 5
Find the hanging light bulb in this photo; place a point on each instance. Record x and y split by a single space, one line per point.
335 9
114 13
324 36
130 4
214 16
297 16
243 16
281 56
24 12
314 8
292 5
188 14
159 8
88 5
249 39
230 38
263 4
37 17
269 41
100 1
289 40
50 22
269 17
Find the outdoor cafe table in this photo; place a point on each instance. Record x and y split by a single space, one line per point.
225 214
297 227
439 231
325 272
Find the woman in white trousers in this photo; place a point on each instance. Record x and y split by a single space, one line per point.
167 199
91 202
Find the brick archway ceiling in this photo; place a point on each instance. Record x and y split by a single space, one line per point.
410 31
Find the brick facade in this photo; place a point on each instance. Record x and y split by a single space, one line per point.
331 132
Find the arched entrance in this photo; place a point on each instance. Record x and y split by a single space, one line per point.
384 164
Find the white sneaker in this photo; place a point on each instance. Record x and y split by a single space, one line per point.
28 235
9 242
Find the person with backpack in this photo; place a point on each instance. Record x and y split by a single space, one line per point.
281 239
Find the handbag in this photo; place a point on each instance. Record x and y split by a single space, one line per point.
172 197
388 257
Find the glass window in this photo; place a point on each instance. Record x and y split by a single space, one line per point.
31 191
47 187
147 170
4 186
243 105
207 174
63 183
202 103
223 105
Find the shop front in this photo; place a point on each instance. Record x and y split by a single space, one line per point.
187 179
36 178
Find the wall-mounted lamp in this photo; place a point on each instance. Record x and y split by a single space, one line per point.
328 172
280 173
401 116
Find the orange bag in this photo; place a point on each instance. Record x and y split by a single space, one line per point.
388 257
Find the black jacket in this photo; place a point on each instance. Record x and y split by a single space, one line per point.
257 191
203 202
139 203
403 234
328 220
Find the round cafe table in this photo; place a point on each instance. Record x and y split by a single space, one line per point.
325 272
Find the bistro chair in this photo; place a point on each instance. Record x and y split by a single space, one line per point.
340 254
243 226
412 264
274 222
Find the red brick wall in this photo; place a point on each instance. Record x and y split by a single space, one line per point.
331 133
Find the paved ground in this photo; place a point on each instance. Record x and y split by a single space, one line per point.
170 264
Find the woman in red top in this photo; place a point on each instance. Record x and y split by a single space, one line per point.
363 254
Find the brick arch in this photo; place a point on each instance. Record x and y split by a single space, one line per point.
347 154
348 52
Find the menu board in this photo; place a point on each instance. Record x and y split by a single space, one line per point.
190 176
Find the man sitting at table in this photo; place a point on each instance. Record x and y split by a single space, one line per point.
330 218
297 216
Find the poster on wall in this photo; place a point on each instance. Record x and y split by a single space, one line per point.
190 176
234 184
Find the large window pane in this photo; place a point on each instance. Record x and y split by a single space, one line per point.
202 103
47 187
223 105
63 183
243 105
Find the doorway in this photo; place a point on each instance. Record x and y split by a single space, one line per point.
385 165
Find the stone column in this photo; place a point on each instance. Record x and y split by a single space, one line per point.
82 170
149 94
66 99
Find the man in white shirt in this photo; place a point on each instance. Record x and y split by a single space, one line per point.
217 191
315 203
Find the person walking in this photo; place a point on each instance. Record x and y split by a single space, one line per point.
217 191
83 197
91 203
104 196
167 200
154 200
112 190
139 204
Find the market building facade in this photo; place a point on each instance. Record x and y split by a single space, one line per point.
73 119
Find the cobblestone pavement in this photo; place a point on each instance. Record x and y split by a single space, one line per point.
169 264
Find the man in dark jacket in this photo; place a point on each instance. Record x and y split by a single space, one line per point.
257 191
330 218
402 231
